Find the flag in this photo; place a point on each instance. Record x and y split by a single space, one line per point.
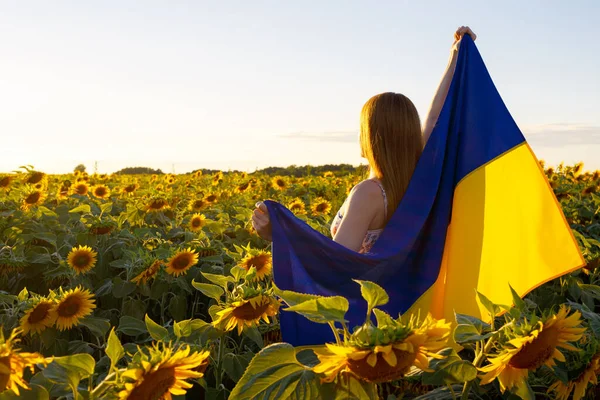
478 215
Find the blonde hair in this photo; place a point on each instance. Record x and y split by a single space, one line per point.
392 142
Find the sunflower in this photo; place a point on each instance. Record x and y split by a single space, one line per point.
197 174
409 345
279 183
246 313
72 306
198 205
242 188
129 189
579 385
197 222
39 317
13 362
36 177
297 206
63 192
148 273
157 204
577 169
181 262
81 189
211 198
101 191
162 373
5 181
82 259
33 198
260 260
321 206
536 348
217 178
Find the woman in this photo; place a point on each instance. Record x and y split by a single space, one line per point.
391 140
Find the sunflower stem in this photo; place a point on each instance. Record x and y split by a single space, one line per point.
335 332
476 363
218 370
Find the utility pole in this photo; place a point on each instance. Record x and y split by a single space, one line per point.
95 167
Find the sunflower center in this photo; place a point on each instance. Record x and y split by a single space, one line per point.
129 188
246 312
4 182
296 207
382 371
4 378
198 204
33 198
100 192
81 189
35 178
321 207
157 204
211 198
69 307
81 260
39 313
155 385
257 262
280 183
534 354
196 222
182 261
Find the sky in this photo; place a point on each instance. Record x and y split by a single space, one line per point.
249 84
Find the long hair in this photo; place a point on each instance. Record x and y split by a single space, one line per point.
392 142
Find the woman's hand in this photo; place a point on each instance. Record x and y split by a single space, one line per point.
261 221
458 35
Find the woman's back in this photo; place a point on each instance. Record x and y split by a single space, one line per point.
379 213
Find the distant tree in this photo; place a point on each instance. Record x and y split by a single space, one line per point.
138 170
80 168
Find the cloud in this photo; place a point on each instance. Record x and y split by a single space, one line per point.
328 136
562 134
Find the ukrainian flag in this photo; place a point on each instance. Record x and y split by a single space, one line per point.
478 215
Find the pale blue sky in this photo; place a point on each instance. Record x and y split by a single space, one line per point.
247 84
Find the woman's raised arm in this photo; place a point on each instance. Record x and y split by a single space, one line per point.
442 91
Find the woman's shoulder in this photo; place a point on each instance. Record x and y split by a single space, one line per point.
367 189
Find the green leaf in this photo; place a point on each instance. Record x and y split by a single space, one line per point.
106 208
524 391
158 333
217 279
47 211
275 373
131 326
463 319
83 208
70 370
254 335
374 294
23 295
322 309
449 370
122 288
519 303
209 290
178 307
592 290
349 388
35 392
383 318
469 334
187 327
114 349
238 273
97 326
292 298
236 364
487 303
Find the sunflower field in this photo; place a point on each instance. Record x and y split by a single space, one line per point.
157 287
